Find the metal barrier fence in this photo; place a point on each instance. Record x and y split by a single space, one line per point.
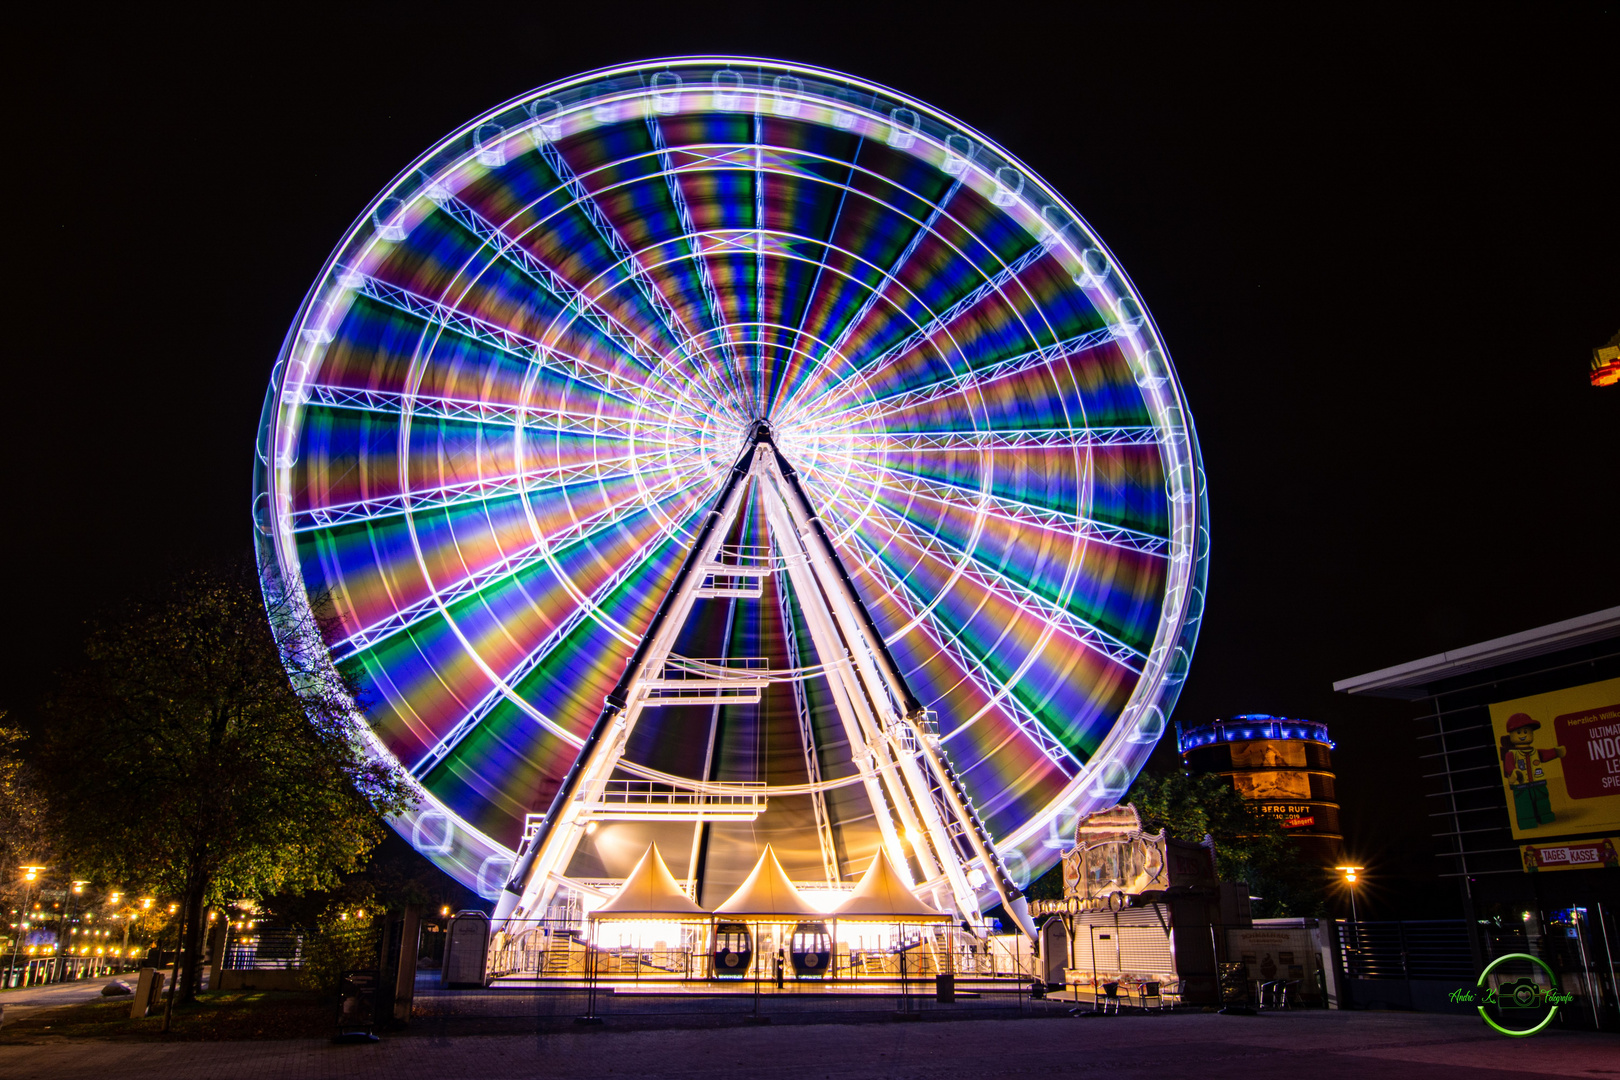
1415 964
265 949
1433 949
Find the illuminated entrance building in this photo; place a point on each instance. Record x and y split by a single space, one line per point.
1285 766
722 453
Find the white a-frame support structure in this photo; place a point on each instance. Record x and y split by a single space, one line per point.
929 828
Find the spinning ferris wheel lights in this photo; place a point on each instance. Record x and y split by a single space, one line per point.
776 367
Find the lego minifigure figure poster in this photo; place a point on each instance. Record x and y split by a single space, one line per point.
1560 760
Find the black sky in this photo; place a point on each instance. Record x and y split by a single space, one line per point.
1381 247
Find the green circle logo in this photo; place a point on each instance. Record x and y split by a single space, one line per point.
1521 994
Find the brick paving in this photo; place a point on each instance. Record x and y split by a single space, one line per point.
1300 1046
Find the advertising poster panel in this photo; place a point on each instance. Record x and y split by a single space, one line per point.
1560 760
1571 854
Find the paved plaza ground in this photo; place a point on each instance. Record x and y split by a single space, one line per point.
1302 1045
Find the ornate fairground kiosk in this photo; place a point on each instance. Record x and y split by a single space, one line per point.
746 459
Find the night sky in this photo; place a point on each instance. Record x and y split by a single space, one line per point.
1380 250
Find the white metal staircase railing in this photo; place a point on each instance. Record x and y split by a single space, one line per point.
648 800
736 571
735 680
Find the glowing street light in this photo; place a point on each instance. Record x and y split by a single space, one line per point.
30 876
1350 873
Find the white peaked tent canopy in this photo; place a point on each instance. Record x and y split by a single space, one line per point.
882 897
768 894
650 892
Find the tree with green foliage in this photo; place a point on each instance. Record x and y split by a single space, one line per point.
25 838
1249 846
190 757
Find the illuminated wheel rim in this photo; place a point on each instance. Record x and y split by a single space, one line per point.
522 374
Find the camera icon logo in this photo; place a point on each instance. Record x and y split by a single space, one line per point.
1519 994
1520 998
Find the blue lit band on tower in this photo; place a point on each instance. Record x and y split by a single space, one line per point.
1282 764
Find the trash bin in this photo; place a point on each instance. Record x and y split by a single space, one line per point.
945 988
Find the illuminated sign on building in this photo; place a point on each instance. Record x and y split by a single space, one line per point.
1571 855
1560 760
1280 764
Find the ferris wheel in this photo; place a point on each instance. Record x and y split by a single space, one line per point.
721 451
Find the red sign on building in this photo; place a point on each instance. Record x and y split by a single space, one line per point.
1591 741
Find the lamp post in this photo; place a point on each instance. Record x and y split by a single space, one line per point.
30 875
62 931
1350 873
123 952
146 905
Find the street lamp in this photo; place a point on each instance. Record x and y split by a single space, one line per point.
1350 873
67 951
30 875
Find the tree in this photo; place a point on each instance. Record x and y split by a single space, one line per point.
1249 846
25 838
182 758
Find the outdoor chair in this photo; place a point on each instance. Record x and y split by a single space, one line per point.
1148 995
1270 994
1110 997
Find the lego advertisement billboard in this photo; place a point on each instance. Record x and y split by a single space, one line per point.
1560 760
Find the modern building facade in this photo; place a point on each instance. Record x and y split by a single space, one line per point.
1521 739
1282 764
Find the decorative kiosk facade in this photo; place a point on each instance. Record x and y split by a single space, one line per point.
1143 918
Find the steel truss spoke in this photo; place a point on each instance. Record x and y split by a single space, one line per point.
573 300
531 483
891 275
840 444
821 265
499 414
633 266
973 668
592 604
711 298
992 285
1013 511
897 401
758 365
971 565
509 566
435 313
738 157
609 233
